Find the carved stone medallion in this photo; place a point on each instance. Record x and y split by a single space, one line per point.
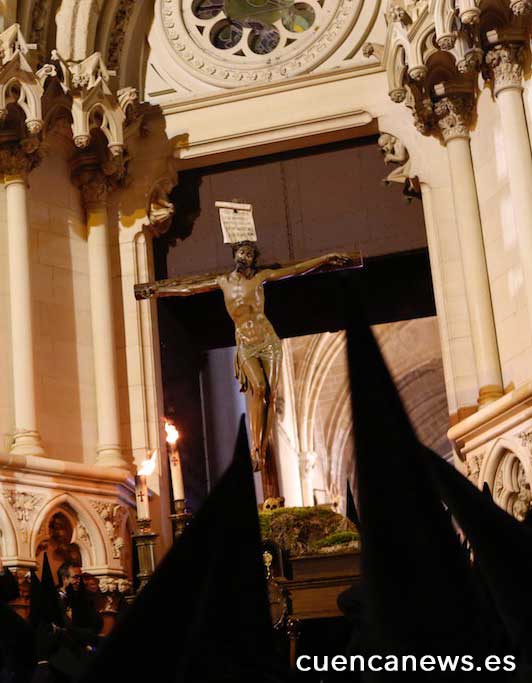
232 43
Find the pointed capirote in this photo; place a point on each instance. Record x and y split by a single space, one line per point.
204 615
502 548
418 588
45 606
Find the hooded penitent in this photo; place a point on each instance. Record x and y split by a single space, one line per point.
502 547
418 588
204 615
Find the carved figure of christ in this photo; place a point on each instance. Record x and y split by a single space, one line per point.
259 352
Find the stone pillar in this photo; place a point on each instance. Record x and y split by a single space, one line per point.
454 113
15 165
94 187
307 461
506 65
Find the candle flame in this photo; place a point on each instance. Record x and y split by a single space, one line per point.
147 467
172 435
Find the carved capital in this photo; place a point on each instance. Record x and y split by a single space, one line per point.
505 66
93 186
454 115
18 159
398 14
521 7
471 61
526 439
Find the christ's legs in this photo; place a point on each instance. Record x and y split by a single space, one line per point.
257 395
272 367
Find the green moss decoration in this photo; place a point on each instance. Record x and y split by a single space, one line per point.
306 530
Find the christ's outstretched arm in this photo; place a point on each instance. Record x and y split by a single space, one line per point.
185 286
310 265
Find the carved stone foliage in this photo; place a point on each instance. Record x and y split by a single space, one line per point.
25 506
505 66
94 186
521 7
118 32
473 465
16 161
454 115
113 516
523 498
40 18
447 43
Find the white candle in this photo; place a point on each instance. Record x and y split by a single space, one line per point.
178 488
141 492
141 486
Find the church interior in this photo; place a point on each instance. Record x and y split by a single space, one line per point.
316 214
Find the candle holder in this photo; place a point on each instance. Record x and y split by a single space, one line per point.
181 517
145 540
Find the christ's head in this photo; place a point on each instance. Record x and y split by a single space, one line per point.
245 255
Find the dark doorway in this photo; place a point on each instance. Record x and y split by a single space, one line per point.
308 202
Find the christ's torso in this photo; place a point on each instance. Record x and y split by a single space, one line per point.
244 301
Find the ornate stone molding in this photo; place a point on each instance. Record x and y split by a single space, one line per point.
94 105
118 32
24 504
505 66
521 7
18 82
454 114
295 54
526 439
93 186
113 516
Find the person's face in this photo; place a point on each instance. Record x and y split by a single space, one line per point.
245 257
74 577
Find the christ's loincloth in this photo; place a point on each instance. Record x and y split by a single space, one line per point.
270 350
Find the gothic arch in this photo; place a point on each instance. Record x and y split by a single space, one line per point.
500 469
95 552
319 360
8 534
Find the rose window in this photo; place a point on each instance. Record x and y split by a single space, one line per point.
232 43
247 28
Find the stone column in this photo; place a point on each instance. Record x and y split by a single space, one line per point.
506 64
94 187
15 165
454 113
307 461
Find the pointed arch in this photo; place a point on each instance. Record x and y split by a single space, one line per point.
97 552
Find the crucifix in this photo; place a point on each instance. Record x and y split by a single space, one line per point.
259 351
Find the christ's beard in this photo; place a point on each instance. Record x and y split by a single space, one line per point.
243 267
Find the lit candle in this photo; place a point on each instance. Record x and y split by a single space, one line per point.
146 468
172 435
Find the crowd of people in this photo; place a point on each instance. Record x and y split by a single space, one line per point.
423 593
62 631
